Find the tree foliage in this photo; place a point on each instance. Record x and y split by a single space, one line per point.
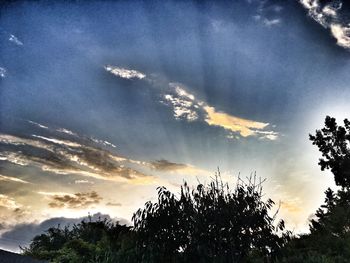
333 141
329 237
87 242
209 223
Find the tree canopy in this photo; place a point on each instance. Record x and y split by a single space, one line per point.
333 141
209 222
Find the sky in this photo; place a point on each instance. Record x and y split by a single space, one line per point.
103 101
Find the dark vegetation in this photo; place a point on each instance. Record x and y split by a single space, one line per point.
214 223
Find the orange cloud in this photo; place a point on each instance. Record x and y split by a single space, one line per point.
243 126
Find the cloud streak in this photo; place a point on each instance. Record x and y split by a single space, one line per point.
60 156
81 155
15 40
12 179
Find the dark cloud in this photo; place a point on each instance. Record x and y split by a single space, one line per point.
75 201
165 165
21 234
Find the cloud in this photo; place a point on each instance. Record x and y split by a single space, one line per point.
15 40
2 72
83 182
187 107
164 165
342 34
184 104
68 132
113 204
63 130
268 14
271 22
270 135
38 124
73 201
124 73
179 168
14 158
78 155
12 179
243 126
330 17
57 141
19 141
103 142
293 206
8 202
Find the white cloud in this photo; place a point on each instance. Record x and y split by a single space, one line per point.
125 73
14 140
77 158
12 179
38 124
103 142
342 34
15 158
271 22
186 106
182 107
63 130
8 202
83 182
268 13
2 72
58 141
330 10
15 40
329 17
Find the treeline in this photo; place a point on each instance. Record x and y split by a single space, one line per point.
216 223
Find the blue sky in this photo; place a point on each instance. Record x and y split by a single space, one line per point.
103 101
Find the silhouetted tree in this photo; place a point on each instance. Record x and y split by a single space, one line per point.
329 238
87 242
209 224
333 141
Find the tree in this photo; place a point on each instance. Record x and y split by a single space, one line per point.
87 242
334 141
209 223
329 238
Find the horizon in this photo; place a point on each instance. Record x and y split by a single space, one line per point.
102 102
